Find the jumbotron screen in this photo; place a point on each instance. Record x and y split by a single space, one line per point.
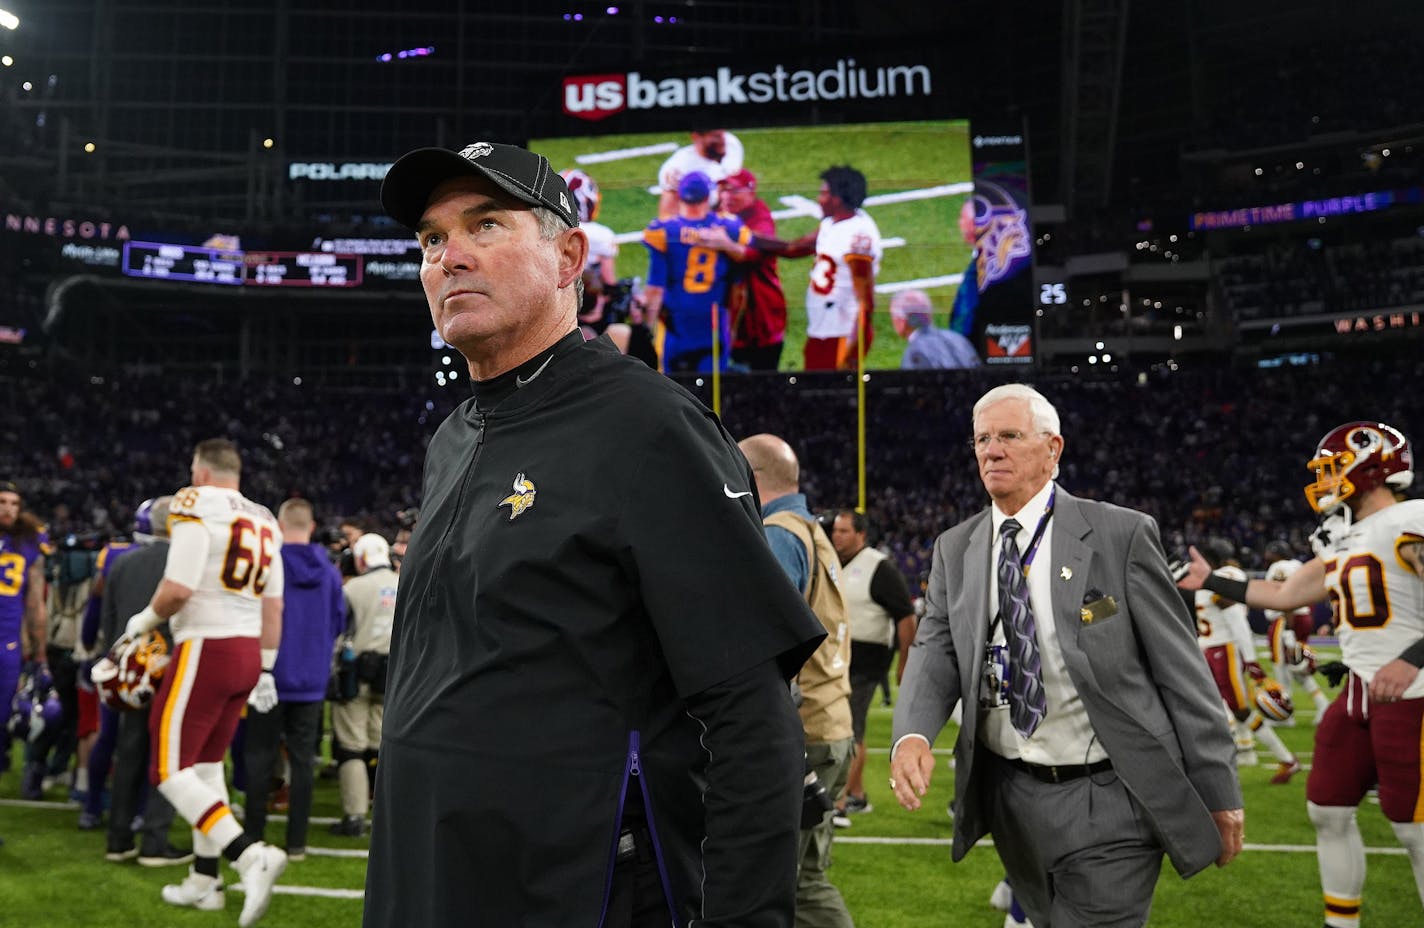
918 179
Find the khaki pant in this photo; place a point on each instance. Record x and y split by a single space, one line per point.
357 726
357 723
818 902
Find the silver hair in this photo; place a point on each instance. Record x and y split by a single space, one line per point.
551 226
1045 417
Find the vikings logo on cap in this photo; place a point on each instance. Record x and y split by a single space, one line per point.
477 150
521 499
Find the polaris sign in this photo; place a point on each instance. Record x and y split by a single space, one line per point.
327 170
598 96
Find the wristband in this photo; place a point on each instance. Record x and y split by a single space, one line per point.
269 658
1234 590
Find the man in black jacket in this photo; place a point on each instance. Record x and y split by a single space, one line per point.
127 590
587 719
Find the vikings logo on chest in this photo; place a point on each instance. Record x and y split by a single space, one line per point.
522 499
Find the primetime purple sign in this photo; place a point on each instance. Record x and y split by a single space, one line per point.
1304 209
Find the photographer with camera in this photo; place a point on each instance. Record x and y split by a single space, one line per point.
356 719
804 551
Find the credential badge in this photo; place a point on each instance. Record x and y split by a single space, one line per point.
522 499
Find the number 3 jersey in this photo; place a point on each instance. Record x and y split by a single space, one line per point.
1377 598
224 548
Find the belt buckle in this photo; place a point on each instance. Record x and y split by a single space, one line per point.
1053 773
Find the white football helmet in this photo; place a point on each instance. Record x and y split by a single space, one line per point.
1273 702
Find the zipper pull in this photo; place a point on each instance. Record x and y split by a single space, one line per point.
634 765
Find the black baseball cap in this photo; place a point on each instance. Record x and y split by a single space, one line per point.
523 174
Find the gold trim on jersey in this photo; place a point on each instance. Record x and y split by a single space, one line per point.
1408 538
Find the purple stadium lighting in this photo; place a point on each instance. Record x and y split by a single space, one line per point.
421 52
612 11
658 19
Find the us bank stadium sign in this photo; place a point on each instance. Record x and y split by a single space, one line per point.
598 96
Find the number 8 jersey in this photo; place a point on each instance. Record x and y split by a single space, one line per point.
225 549
1377 599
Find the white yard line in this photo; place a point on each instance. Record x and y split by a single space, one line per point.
619 154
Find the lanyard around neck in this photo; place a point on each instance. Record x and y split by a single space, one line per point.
1026 560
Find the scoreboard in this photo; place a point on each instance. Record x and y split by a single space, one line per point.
199 264
303 269
182 262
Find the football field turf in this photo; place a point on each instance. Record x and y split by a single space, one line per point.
892 867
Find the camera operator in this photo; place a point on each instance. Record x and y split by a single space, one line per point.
803 549
356 720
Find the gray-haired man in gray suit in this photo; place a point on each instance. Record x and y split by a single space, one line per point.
1093 741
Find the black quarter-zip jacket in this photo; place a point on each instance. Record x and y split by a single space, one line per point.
588 616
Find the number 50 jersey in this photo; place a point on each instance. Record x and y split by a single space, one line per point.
225 549
1377 598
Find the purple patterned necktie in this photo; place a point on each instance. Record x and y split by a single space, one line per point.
1027 702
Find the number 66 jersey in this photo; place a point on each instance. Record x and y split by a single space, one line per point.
225 549
1377 598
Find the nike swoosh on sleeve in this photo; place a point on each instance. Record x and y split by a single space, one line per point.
730 495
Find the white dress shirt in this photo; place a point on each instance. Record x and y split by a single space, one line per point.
1065 736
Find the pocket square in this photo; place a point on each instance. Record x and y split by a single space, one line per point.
1097 606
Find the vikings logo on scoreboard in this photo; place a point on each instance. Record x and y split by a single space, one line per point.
1001 233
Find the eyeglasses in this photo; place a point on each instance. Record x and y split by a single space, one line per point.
1009 438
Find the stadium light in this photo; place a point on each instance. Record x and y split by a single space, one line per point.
9 20
7 61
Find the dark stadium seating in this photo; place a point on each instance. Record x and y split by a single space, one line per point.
1206 452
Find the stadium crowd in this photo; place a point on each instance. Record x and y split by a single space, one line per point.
1205 452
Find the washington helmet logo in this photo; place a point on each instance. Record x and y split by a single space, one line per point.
521 499
477 150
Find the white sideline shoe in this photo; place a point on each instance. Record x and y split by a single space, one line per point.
197 891
259 867
1002 897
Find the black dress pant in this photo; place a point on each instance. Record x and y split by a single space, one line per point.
298 723
131 794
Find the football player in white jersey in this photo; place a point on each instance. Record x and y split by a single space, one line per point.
715 152
841 295
1224 634
1289 633
1369 563
221 594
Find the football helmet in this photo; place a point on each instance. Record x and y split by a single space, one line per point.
1302 659
1357 457
127 677
1272 701
35 706
585 192
143 518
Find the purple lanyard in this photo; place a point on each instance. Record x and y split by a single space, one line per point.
1027 559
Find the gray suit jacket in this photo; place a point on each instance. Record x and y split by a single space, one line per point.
1140 673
